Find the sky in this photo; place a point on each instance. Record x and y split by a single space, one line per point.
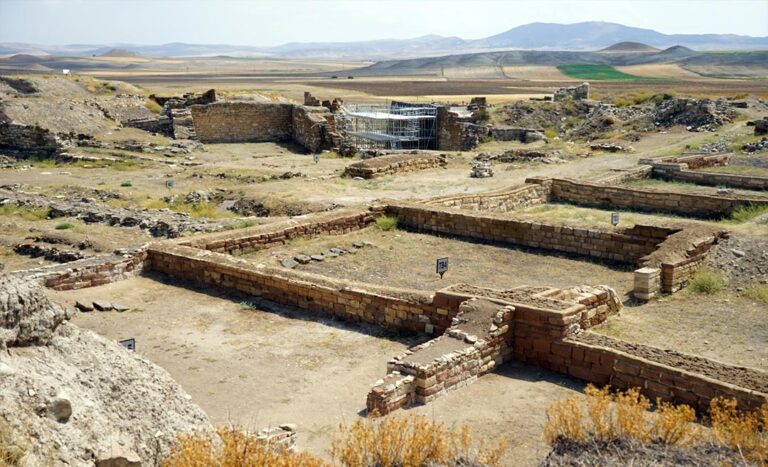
274 22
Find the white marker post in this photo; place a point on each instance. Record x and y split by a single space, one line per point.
615 218
442 266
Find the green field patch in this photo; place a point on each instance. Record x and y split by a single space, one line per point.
599 72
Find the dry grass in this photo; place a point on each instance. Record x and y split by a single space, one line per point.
233 447
624 416
402 440
12 449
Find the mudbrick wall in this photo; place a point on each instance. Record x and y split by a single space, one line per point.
240 122
394 163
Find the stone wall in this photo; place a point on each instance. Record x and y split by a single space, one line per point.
89 272
574 92
310 127
524 135
457 133
622 245
395 163
584 193
242 122
524 196
688 169
258 238
28 140
160 124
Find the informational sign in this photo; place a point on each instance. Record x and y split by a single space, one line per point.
65 71
169 183
129 344
442 266
316 158
615 218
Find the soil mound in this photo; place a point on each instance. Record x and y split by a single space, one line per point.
629 46
70 397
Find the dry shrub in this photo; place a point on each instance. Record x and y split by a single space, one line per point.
13 449
564 420
233 447
674 424
746 432
400 440
625 416
599 410
631 407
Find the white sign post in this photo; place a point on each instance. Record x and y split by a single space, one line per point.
615 218
442 266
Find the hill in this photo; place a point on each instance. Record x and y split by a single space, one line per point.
628 46
122 53
585 36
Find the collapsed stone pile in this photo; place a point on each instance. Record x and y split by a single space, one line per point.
158 222
481 168
694 114
522 155
757 146
84 400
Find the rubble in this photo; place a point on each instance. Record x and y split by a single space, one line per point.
694 114
757 146
481 169
574 92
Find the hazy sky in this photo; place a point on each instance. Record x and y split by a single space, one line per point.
272 22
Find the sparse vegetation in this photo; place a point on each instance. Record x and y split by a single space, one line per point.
25 212
747 213
707 281
386 223
757 292
401 440
625 416
13 450
126 184
64 226
153 106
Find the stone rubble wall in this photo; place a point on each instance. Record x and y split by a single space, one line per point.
29 140
622 245
457 133
310 127
395 163
524 135
621 176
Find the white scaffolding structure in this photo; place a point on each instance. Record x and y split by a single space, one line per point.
394 126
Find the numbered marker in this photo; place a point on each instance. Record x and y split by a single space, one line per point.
442 266
169 183
129 344
615 218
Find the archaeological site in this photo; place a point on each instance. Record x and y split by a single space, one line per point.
391 253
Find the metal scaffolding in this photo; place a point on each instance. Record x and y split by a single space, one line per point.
398 125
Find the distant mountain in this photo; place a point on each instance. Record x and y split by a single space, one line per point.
592 35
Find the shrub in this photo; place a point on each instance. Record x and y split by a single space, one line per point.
625 416
126 184
707 281
757 292
233 447
551 132
64 226
386 223
401 440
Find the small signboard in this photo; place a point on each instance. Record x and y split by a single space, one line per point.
615 218
316 158
129 344
442 266
65 71
169 183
